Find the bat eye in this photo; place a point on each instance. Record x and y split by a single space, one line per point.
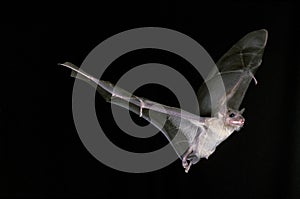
232 115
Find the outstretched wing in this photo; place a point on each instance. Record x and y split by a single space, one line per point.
236 68
180 127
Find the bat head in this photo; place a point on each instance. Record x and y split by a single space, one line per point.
234 119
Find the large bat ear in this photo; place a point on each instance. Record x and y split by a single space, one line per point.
242 111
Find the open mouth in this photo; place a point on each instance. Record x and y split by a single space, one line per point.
239 122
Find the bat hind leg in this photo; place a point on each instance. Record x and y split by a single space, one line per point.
189 158
186 162
187 166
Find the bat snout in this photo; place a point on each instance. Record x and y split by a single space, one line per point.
237 121
241 121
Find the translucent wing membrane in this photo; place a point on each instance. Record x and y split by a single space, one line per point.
236 68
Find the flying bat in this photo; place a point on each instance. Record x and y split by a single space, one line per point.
196 136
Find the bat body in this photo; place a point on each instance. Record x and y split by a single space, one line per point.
192 136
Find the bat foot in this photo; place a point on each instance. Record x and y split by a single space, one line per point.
187 166
188 159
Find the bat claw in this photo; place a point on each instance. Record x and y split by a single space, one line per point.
186 162
187 166
251 74
141 107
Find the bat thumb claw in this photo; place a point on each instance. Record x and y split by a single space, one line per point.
251 74
141 106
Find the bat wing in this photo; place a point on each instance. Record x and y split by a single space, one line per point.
236 68
180 127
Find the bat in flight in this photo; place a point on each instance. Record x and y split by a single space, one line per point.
197 136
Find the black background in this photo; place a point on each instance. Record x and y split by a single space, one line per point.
42 155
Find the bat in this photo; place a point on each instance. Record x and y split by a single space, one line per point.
196 136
